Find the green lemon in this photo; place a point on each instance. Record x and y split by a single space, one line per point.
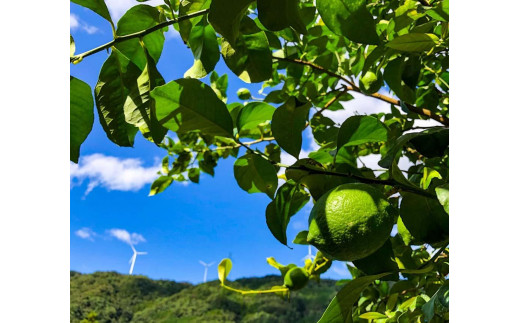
296 278
351 222
371 82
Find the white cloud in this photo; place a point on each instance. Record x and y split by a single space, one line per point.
76 23
112 173
360 105
118 8
126 237
85 233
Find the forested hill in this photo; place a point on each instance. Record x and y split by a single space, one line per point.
113 297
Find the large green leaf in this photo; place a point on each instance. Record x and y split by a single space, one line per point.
186 7
98 6
425 218
255 174
188 104
339 308
358 130
288 123
414 42
349 18
225 17
443 195
393 76
111 93
81 115
136 19
253 114
438 303
140 108
324 131
380 261
276 15
204 45
249 57
290 198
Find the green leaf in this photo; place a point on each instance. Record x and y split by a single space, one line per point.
204 45
379 262
393 150
243 94
341 305
441 11
160 184
139 108
414 42
253 114
224 267
289 199
372 316
349 18
403 232
190 6
393 75
276 15
359 130
111 93
136 19
225 17
219 85
187 104
72 46
255 174
288 123
301 238
424 218
249 57
98 6
194 174
438 302
81 115
443 194
324 131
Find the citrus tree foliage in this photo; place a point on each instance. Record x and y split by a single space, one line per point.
310 57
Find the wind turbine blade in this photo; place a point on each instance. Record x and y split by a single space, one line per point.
133 263
203 263
211 264
142 253
131 245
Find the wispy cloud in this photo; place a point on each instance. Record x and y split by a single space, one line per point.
341 270
126 237
112 173
85 233
77 24
118 8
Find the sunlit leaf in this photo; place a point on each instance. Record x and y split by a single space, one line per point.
224 267
414 42
98 6
358 130
255 174
160 184
204 45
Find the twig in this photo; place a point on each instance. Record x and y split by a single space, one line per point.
331 101
138 34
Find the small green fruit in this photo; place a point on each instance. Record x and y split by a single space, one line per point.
243 94
371 82
296 278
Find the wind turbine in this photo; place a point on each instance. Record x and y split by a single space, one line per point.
206 266
132 260
309 255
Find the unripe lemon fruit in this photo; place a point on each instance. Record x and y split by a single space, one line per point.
350 222
296 278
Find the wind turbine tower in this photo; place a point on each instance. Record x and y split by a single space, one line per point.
206 266
134 256
309 255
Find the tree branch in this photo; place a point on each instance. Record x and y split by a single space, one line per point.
138 34
389 182
331 101
422 111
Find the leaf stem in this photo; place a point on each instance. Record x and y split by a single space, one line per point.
266 291
138 34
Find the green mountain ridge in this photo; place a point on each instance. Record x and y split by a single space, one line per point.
113 297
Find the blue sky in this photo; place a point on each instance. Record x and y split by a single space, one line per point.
186 223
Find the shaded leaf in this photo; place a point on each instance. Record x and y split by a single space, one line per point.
255 174
111 93
301 238
414 42
290 198
341 305
81 115
204 46
379 262
253 114
190 6
443 194
288 123
276 15
349 18
358 130
187 104
225 17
